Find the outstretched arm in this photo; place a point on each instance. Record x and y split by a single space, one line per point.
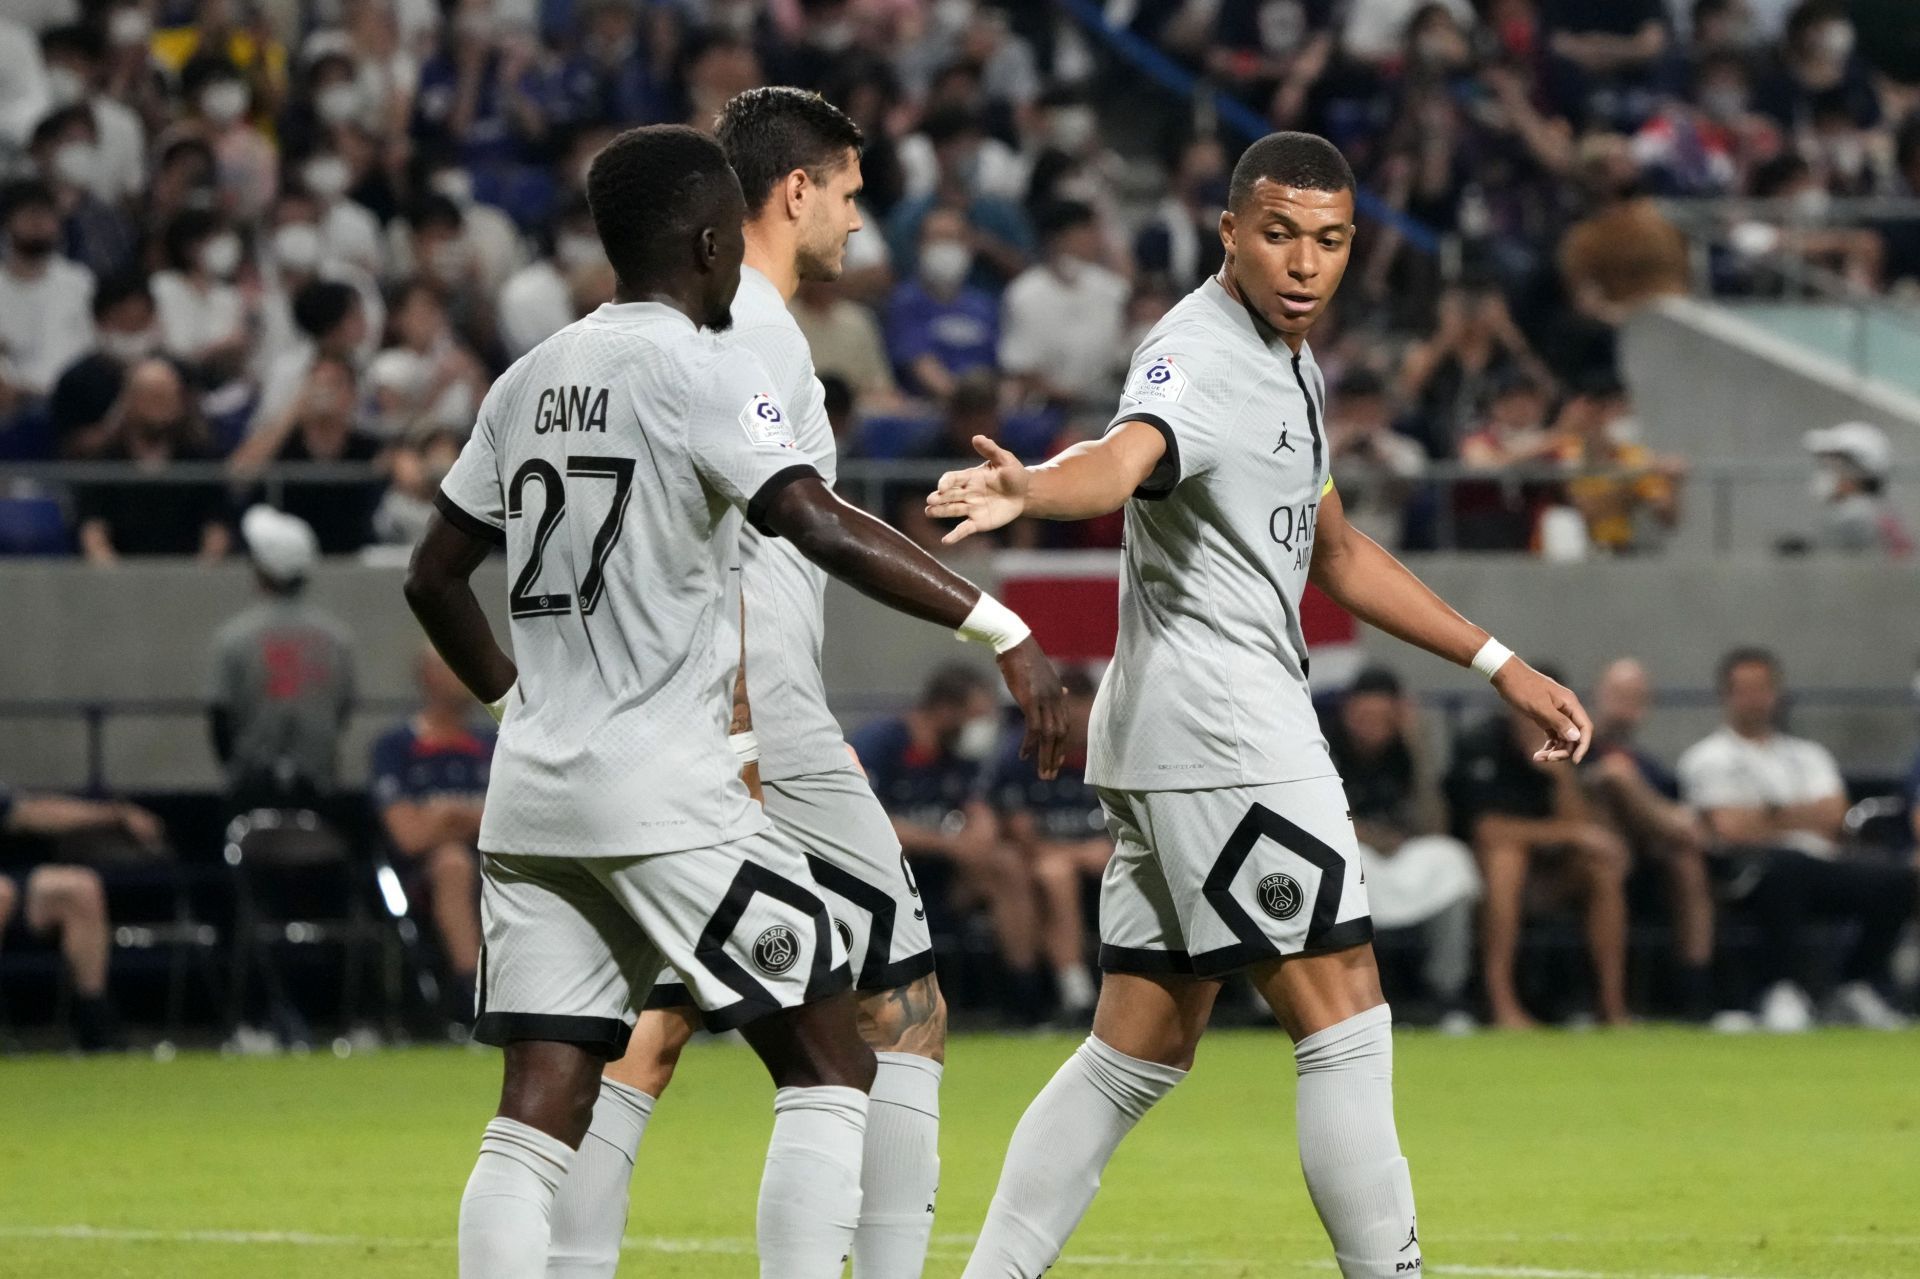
1088 480
879 561
1361 577
441 596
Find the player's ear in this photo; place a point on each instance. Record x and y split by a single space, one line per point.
795 191
706 248
1226 229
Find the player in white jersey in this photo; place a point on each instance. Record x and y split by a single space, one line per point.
1234 847
798 160
613 461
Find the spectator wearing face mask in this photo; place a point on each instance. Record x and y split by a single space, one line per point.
1707 146
483 99
330 319
612 77
418 463
158 426
924 766
438 247
1819 72
437 379
247 163
494 244
349 233
93 233
219 30
182 180
82 406
204 319
76 58
327 100
1851 465
321 425
996 228
939 327
1062 318
293 255
556 289
124 319
1180 242
45 318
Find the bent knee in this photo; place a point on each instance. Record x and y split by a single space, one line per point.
67 891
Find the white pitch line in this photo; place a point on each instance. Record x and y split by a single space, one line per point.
947 1246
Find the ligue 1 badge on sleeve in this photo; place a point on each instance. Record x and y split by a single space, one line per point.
765 423
1160 380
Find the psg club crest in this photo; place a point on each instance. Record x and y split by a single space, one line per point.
1280 896
776 951
765 423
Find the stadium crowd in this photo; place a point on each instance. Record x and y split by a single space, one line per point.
261 237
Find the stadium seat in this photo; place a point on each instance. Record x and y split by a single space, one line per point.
33 526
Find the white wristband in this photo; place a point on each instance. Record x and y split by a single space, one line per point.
994 624
1491 657
499 709
746 747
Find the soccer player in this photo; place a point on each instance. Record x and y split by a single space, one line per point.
1234 849
798 160
618 835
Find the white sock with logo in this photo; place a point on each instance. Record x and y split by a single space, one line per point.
1349 1150
505 1212
590 1210
902 1168
810 1193
1058 1151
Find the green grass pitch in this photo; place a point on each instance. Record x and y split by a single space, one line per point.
1548 1156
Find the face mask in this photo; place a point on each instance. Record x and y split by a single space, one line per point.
977 739
1724 104
224 102
77 163
833 36
1836 41
1824 486
576 249
128 27
952 14
1848 156
1434 46
64 86
128 347
296 246
326 176
455 185
338 103
220 256
1071 128
945 263
1810 205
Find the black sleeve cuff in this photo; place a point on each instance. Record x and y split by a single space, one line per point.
757 507
466 521
1160 484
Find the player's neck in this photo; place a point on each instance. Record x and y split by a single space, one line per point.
773 259
623 296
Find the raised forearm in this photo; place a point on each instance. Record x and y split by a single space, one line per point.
1082 483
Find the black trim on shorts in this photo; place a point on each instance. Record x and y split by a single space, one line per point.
466 521
1216 964
1158 493
1144 961
757 507
901 972
737 1014
668 994
604 1037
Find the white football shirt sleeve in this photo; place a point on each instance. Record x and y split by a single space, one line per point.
1187 394
472 496
740 438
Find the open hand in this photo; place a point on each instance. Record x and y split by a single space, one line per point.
1551 706
983 497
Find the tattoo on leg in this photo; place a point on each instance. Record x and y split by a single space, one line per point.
906 1019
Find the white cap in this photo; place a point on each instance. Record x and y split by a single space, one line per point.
1862 443
283 546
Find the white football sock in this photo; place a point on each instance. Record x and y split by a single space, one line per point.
810 1195
902 1168
1058 1151
590 1210
1349 1150
504 1214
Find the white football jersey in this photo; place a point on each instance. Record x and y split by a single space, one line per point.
785 591
613 460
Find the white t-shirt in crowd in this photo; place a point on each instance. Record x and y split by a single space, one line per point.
192 320
533 306
46 323
1727 770
1065 329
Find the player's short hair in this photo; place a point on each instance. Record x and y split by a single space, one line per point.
1376 681
1745 655
951 686
320 306
651 187
769 132
1078 681
1304 160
